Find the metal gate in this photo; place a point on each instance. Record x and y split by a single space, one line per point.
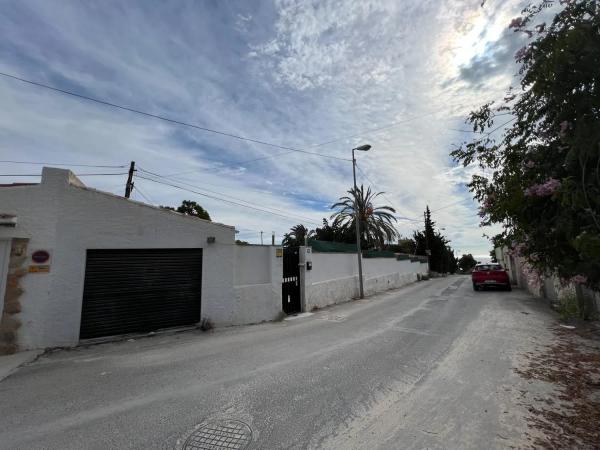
290 288
139 290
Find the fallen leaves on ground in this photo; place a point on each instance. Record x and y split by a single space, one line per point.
572 365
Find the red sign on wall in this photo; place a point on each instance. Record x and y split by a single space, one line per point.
40 256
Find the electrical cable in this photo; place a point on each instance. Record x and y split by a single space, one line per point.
171 177
144 196
220 193
225 200
406 218
76 174
166 119
57 164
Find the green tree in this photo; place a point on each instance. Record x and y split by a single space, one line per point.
432 243
404 245
297 236
376 222
544 186
493 256
191 208
334 233
466 263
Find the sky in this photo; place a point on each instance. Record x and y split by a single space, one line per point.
321 76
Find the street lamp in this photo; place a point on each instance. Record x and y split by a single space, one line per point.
362 148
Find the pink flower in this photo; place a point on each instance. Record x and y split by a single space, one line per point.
543 190
579 279
487 203
516 22
522 53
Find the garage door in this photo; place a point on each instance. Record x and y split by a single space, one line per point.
139 290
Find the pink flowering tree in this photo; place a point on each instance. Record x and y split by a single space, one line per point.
539 148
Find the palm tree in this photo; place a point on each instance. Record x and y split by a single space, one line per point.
298 235
376 223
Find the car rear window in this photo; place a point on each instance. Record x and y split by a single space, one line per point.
487 267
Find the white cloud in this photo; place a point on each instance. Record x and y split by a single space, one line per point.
312 73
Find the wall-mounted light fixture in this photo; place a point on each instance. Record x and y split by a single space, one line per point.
211 240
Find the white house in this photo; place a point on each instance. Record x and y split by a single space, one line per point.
80 263
77 263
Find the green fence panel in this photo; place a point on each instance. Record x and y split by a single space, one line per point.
331 247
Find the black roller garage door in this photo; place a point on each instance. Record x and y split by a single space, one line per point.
138 290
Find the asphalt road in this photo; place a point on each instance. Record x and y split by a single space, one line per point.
426 366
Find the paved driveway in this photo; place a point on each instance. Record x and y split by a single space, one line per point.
426 366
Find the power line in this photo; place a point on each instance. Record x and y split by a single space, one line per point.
373 184
231 164
166 119
222 199
77 174
172 177
137 189
248 161
391 204
373 130
66 165
235 198
218 193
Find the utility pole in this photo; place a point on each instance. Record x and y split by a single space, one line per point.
272 238
129 184
261 238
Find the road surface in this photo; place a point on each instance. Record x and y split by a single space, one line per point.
426 366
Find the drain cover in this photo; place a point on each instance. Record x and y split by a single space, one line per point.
219 435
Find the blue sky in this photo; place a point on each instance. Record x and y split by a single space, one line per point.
296 74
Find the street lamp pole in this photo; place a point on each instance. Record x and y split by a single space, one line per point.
362 148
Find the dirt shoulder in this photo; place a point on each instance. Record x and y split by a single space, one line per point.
569 417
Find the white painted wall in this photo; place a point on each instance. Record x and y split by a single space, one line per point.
240 284
4 257
334 277
257 284
65 218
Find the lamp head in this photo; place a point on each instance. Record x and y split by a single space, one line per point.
363 148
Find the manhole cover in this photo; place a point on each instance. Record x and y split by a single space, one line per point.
218 435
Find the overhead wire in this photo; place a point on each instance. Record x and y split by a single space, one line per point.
373 130
66 165
220 193
249 206
167 119
144 196
391 203
77 174
218 132
172 177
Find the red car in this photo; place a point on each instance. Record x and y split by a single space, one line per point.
493 275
